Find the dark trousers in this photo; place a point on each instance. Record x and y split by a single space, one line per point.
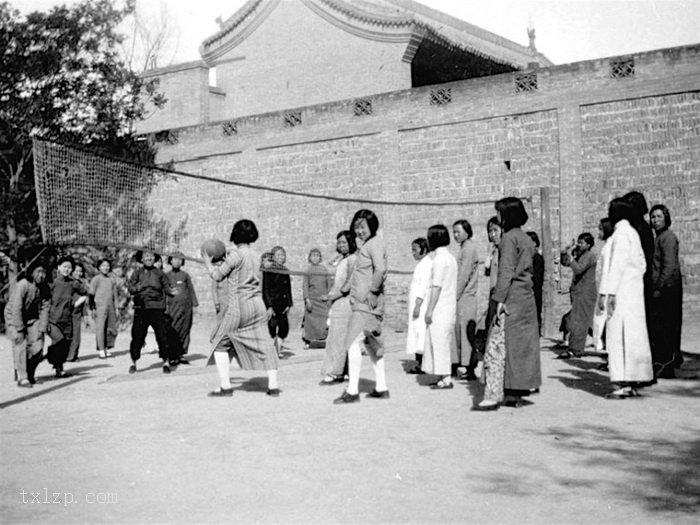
143 318
278 324
58 353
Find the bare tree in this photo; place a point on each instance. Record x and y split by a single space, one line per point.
151 36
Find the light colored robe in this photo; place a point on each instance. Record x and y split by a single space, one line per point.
440 337
467 289
627 341
419 289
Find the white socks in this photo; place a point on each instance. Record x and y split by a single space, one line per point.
223 368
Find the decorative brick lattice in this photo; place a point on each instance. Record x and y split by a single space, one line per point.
622 68
229 129
363 106
292 119
167 136
525 82
440 96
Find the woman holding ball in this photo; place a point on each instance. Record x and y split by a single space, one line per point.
242 332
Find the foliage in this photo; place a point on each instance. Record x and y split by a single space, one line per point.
62 78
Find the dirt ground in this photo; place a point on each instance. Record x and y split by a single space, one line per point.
107 447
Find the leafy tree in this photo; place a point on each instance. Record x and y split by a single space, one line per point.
62 78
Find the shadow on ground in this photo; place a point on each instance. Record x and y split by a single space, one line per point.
660 474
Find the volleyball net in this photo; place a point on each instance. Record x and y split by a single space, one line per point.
85 198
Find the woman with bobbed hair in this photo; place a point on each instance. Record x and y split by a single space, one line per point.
367 305
242 333
339 314
666 308
418 295
441 314
516 311
622 294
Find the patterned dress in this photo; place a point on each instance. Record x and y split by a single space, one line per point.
243 329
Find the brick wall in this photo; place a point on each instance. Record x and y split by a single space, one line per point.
582 135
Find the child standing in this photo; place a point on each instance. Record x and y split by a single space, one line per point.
103 299
277 295
180 307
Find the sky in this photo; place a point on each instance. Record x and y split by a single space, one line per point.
566 30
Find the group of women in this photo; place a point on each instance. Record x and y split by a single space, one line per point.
356 315
631 291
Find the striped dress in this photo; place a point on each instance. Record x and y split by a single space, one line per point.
242 331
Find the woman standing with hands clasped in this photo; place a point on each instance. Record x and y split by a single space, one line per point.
516 310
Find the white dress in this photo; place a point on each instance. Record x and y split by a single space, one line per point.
600 316
627 341
419 289
440 336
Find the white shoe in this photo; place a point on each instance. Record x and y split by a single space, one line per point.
101 354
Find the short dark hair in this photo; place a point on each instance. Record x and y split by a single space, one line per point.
437 236
314 250
464 223
620 209
370 217
512 212
607 226
66 258
587 238
664 210
350 238
244 232
176 255
492 221
422 243
277 248
534 238
99 263
638 202
29 270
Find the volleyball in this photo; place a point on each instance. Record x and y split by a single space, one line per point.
215 249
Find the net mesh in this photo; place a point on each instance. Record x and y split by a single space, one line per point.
84 198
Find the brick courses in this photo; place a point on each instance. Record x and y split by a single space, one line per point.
585 136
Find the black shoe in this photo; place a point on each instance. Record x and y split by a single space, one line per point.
166 369
60 374
485 408
415 371
222 392
517 403
132 369
273 392
379 395
183 361
469 376
347 398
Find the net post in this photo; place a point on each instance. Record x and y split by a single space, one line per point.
548 287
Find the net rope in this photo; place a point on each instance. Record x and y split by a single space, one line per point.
86 198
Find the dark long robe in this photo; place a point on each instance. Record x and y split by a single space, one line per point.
666 308
514 288
179 309
317 282
583 299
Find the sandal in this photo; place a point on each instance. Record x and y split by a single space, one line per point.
441 385
24 383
